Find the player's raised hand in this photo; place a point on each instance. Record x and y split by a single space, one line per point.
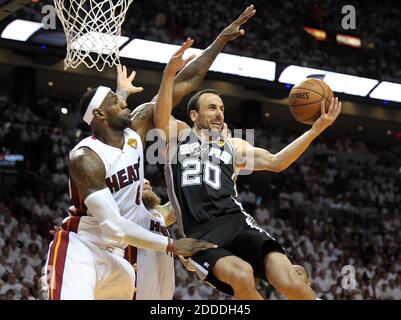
234 30
124 83
177 62
327 118
188 246
225 133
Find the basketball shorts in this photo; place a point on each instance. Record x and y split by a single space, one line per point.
155 277
238 235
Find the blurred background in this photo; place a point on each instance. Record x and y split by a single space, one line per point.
338 205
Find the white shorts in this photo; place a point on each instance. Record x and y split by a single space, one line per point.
79 270
155 278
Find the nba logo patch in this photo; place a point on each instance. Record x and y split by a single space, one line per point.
133 143
206 264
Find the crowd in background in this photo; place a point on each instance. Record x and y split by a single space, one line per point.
276 32
338 206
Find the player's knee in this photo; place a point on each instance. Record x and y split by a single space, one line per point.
289 282
243 275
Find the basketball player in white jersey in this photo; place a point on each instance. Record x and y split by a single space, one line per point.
106 172
155 277
201 174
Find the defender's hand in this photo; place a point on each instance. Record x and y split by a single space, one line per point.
233 31
327 118
188 246
176 62
43 288
124 83
55 230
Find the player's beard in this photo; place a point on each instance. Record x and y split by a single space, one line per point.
120 123
150 199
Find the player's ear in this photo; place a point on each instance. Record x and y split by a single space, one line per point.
98 113
194 115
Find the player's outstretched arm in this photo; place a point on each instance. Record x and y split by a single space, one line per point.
88 173
164 100
256 159
192 75
188 79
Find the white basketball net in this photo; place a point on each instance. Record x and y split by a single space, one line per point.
92 29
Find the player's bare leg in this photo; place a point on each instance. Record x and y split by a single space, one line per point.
282 275
239 275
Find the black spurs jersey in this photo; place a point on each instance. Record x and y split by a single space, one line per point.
200 178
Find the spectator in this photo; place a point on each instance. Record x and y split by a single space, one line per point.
27 272
11 284
25 294
41 209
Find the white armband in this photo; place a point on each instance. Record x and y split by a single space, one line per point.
103 207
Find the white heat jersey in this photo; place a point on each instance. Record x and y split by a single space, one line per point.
124 178
155 279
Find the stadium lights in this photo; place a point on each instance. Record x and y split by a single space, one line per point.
349 40
225 63
151 51
387 91
318 34
20 30
338 82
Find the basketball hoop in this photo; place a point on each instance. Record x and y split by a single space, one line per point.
92 29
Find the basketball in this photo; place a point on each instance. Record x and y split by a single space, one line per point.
305 99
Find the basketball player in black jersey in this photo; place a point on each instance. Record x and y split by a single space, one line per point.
200 175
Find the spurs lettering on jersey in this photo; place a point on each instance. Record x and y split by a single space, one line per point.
199 151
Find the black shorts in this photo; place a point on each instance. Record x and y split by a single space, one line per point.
235 235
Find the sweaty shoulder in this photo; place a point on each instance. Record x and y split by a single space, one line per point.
87 171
